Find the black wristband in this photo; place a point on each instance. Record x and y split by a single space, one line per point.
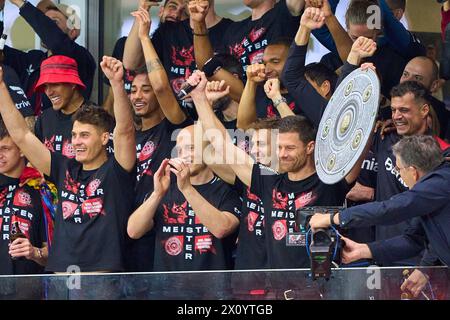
212 66
334 225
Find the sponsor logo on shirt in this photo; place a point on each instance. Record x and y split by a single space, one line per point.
390 167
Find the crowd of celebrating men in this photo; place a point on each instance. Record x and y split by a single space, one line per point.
155 179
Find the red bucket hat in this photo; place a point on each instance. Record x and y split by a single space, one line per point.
59 69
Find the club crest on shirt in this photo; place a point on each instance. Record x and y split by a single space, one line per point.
175 214
22 199
68 209
68 150
147 151
251 220
279 229
174 245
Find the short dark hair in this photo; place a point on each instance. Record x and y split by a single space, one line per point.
230 63
281 41
358 12
300 125
264 124
96 116
3 131
319 72
420 151
421 94
396 4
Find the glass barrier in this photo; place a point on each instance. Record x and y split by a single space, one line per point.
345 284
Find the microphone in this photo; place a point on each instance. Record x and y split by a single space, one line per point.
185 90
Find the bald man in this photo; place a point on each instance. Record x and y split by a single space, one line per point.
192 212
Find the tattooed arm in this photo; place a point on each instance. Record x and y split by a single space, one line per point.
156 73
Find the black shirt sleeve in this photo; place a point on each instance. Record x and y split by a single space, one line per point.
293 77
60 43
59 164
231 202
402 247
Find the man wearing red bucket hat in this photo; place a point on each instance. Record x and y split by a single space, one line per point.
95 193
61 83
58 28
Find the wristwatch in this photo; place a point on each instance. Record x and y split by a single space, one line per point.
279 101
334 225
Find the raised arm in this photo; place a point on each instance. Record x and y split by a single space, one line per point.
256 74
239 161
398 36
156 72
142 220
219 223
124 133
341 38
53 37
133 55
293 77
28 143
273 92
204 51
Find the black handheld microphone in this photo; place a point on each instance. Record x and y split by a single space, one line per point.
185 90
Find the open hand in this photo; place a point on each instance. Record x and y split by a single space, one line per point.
143 18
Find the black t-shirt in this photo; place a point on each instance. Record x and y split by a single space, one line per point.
183 243
285 238
247 39
152 147
54 129
21 204
251 250
174 43
92 215
265 108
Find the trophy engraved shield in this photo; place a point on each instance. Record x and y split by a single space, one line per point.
346 125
